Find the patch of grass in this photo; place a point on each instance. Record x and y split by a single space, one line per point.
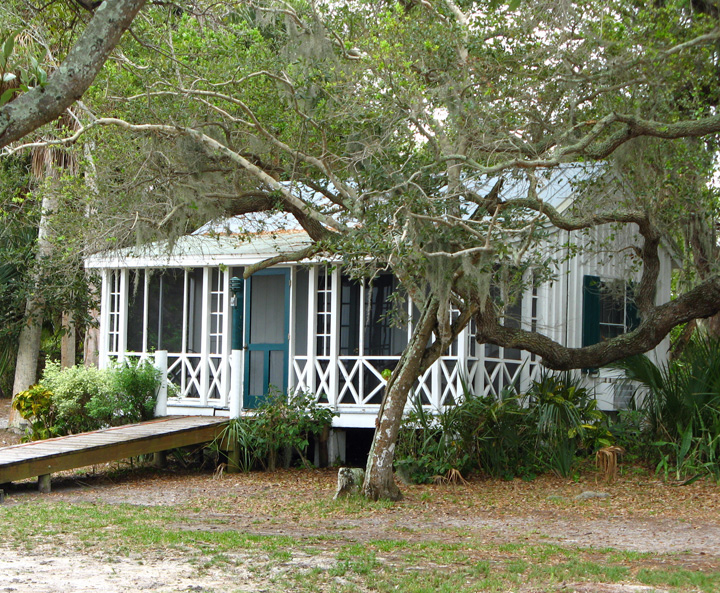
680 578
353 505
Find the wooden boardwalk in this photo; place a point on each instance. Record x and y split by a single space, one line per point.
42 458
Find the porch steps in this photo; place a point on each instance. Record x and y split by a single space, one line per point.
42 458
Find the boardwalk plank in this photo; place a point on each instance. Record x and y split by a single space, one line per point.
43 457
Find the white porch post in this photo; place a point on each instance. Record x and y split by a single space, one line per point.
312 328
526 324
462 364
361 347
161 360
334 337
237 345
435 385
291 332
205 344
123 319
481 372
225 351
146 305
236 363
104 319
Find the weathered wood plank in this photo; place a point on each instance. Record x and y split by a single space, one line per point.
44 457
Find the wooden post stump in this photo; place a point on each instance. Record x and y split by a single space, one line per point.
44 484
350 481
159 459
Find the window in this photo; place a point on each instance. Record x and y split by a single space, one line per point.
608 309
114 300
324 312
368 311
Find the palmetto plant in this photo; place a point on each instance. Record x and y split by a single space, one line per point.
685 391
565 414
681 401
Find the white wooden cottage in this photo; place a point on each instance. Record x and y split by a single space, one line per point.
308 326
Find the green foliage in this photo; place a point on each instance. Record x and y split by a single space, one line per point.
279 423
504 436
680 406
72 390
430 446
566 418
132 396
36 406
79 398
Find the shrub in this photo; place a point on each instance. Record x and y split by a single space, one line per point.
80 399
505 436
36 406
480 433
279 423
429 445
132 397
681 406
566 419
497 430
72 389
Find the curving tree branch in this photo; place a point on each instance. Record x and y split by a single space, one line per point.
701 302
68 83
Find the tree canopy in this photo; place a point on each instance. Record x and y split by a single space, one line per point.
392 131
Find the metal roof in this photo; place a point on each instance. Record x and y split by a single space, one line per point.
232 242
557 187
199 250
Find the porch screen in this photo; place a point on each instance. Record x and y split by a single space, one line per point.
383 334
165 310
136 311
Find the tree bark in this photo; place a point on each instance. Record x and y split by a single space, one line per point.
68 342
31 333
28 354
701 302
77 72
91 346
379 478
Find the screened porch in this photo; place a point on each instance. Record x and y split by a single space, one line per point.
305 328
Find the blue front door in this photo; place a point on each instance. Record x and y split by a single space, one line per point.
266 328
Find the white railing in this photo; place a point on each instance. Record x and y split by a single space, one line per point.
357 380
198 379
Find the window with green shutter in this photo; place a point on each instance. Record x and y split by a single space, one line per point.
608 309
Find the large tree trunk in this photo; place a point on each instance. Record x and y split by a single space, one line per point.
27 355
31 333
379 479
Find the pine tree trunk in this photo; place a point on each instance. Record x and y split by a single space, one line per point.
379 478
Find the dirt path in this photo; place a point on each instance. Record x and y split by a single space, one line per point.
642 516
638 515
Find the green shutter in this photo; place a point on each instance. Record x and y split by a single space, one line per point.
591 310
